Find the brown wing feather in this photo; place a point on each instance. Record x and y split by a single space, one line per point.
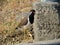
24 21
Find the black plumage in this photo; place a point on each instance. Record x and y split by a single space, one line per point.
31 16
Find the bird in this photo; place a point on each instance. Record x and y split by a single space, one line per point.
26 21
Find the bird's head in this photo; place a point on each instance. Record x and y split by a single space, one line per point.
32 11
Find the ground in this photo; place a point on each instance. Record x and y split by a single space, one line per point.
12 13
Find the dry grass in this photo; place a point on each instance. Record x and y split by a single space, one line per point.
16 36
9 10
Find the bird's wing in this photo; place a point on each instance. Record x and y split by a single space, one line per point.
23 22
22 19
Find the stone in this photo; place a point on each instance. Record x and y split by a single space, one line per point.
46 21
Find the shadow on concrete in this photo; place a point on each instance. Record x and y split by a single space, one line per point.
58 11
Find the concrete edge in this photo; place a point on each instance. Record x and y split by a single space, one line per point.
55 41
